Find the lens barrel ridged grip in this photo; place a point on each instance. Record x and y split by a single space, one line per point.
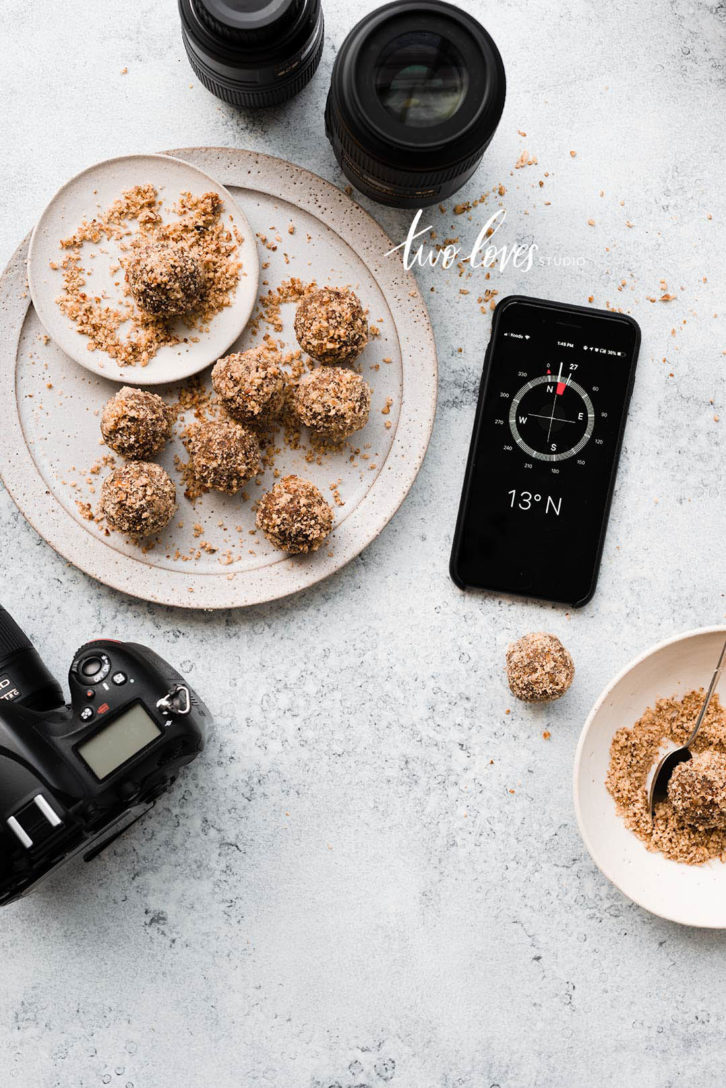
350 151
251 99
12 638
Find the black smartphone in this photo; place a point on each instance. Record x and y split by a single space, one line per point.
544 452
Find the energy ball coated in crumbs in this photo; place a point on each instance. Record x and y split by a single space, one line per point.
136 424
333 402
138 498
539 668
250 386
697 790
164 279
224 455
331 326
294 516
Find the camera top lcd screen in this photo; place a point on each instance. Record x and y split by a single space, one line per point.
120 740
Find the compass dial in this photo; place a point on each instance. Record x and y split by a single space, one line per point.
551 419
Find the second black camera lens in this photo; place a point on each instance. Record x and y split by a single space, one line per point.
416 95
253 53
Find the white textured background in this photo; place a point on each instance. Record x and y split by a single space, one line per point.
344 891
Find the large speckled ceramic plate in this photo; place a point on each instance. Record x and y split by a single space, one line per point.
89 194
50 440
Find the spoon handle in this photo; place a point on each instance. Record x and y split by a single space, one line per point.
709 696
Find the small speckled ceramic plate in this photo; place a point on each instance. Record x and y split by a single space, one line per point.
86 196
694 895
50 440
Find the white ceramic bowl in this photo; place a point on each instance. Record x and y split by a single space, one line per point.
82 198
693 895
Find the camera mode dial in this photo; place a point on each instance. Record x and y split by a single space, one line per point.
92 666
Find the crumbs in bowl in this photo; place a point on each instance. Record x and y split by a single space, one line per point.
679 828
186 268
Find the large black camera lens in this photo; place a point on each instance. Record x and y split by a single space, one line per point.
253 52
24 679
416 95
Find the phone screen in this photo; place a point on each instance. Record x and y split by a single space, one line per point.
550 420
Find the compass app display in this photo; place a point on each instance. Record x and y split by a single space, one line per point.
545 449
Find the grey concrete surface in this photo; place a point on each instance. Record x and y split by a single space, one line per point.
374 874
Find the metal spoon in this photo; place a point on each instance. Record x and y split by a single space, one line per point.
660 773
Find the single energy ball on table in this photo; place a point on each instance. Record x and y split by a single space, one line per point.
138 498
164 279
539 668
224 455
331 325
250 386
294 516
333 402
136 424
697 790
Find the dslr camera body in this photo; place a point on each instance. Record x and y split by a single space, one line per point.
74 776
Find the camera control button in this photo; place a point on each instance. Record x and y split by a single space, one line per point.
119 678
87 713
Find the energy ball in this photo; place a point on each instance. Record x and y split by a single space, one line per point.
333 402
224 455
697 790
250 386
539 668
294 516
330 325
136 423
164 279
138 498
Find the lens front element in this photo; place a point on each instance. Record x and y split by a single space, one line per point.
421 79
416 94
